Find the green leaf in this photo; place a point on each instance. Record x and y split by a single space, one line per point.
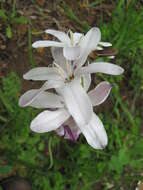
20 20
2 14
5 169
9 32
118 161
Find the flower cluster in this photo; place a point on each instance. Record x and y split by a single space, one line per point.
69 111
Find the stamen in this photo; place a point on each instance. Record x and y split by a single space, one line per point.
60 70
67 66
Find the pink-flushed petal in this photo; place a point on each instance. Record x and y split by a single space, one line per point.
88 43
62 36
69 130
101 67
71 53
99 94
49 120
43 100
95 133
77 102
47 43
42 73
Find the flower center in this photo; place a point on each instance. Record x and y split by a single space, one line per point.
69 79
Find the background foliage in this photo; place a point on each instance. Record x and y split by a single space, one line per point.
50 162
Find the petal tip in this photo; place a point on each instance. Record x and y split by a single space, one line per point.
25 76
35 45
21 102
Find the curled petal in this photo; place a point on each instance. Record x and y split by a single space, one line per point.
102 67
95 133
42 73
47 43
41 99
31 96
69 130
49 120
62 36
100 93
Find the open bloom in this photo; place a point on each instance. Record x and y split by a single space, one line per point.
71 100
72 115
76 46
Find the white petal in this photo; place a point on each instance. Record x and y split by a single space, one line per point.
88 43
71 53
49 120
111 57
86 81
42 73
57 54
99 48
102 67
95 133
30 96
105 44
77 102
99 94
43 100
77 37
62 36
52 84
47 43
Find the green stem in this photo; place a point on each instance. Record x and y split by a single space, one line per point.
50 153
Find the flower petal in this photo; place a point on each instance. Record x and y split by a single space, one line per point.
102 67
88 43
49 120
71 53
105 44
62 36
99 48
95 133
30 96
86 80
43 100
47 43
77 102
42 73
57 54
69 130
77 37
99 94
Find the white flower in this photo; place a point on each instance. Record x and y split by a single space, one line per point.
76 46
78 105
71 84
